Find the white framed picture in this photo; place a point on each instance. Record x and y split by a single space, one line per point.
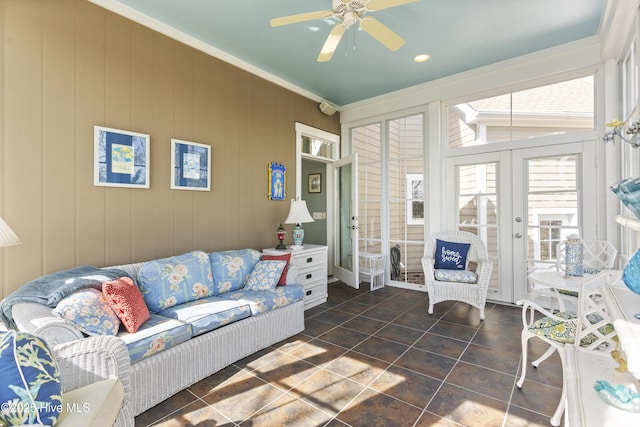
121 158
190 166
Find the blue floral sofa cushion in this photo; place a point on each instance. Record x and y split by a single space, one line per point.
458 276
155 335
30 389
231 268
208 314
175 280
264 301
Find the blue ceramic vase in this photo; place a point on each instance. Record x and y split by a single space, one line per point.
631 274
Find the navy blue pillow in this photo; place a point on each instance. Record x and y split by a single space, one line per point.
451 255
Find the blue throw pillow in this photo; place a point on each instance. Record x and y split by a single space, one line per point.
451 255
88 311
30 390
265 276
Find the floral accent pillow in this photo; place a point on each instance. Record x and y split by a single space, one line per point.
88 311
127 303
175 280
30 390
265 276
286 257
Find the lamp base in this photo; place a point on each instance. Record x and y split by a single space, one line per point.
296 247
298 235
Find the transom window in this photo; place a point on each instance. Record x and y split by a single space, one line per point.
553 109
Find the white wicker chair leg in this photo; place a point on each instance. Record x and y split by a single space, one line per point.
430 308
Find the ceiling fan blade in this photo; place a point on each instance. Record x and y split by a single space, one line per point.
382 33
308 16
332 42
385 4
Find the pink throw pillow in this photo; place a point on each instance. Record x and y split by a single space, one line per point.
286 257
127 302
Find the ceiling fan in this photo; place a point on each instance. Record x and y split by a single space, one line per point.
348 12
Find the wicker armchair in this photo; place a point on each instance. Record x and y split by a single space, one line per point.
474 294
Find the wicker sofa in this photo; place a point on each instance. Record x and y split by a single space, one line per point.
149 380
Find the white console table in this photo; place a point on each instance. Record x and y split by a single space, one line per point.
584 407
312 271
584 367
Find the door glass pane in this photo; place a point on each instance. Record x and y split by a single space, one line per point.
345 209
552 206
478 208
557 108
366 142
407 203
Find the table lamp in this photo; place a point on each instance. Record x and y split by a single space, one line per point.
7 236
298 214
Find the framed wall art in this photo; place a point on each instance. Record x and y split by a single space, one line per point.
277 173
190 166
121 158
315 183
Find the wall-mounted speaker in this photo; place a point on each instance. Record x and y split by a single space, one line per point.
327 108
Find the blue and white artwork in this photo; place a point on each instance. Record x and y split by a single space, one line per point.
190 166
277 173
121 158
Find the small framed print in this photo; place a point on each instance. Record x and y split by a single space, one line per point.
315 183
277 174
190 166
120 158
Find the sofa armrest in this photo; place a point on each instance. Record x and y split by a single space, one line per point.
38 320
292 275
92 359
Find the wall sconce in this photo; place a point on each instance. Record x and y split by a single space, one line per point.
618 130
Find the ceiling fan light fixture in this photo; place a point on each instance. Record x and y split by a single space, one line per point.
350 18
423 57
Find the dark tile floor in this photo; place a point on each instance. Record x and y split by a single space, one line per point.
378 359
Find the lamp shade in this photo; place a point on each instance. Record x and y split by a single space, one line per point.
298 213
7 236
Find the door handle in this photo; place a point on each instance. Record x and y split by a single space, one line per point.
518 235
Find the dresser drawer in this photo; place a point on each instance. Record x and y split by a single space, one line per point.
303 260
315 293
311 274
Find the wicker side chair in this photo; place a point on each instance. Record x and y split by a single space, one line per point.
478 263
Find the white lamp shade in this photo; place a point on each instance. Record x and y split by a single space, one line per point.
298 213
7 236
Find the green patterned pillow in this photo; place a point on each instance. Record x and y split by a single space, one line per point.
30 390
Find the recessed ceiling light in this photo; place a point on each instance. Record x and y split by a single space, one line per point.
423 57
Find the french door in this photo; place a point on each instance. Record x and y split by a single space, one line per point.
522 202
345 263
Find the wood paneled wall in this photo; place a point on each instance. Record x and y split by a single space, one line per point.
67 65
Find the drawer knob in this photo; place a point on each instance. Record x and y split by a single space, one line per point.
309 276
309 293
310 259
